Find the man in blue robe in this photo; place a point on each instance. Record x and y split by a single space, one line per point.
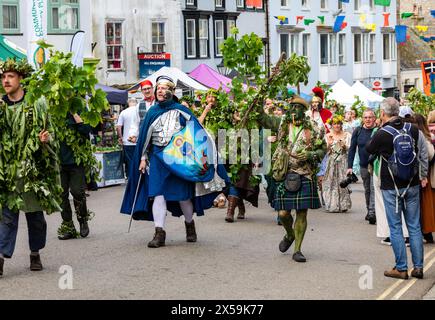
158 188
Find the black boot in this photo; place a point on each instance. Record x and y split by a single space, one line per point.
84 229
190 231
372 219
242 210
428 237
2 262
299 257
159 239
35 262
67 231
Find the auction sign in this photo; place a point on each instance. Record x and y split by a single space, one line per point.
152 62
37 30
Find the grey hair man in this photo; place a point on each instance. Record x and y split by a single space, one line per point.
400 188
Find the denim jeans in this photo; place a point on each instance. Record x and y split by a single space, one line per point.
36 225
410 206
369 190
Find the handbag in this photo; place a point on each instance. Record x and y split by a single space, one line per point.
293 182
280 164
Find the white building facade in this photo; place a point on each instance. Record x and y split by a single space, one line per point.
207 23
354 53
123 30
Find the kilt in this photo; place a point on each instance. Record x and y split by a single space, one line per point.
306 198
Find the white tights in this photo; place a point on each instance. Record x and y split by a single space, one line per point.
159 211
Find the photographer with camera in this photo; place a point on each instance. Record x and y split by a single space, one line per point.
360 137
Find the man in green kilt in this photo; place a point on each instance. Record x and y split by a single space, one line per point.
301 148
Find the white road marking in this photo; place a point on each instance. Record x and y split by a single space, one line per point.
409 285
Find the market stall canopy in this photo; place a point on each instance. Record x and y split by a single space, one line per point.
210 78
10 50
181 79
343 93
367 94
114 96
304 96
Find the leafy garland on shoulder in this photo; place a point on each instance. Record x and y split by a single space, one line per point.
69 89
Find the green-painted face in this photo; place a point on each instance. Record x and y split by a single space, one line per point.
296 113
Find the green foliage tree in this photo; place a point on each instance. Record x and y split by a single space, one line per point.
69 89
420 102
250 87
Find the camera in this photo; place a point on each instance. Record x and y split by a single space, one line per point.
351 178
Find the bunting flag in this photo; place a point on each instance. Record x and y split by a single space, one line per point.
428 39
299 18
386 19
255 3
406 15
322 19
401 33
362 18
345 1
432 12
343 25
422 29
307 22
385 3
338 23
282 19
371 26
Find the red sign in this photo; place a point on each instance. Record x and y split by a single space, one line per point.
377 85
154 56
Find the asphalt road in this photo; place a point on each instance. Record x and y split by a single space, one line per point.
230 261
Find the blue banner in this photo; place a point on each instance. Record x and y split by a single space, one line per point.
401 33
338 23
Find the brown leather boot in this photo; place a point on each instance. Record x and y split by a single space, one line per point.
242 209
190 231
159 239
232 203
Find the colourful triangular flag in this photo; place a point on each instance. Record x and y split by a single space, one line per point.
432 12
343 25
255 3
362 18
282 19
345 1
386 19
307 22
422 28
385 3
406 15
322 19
401 33
299 18
338 23
371 26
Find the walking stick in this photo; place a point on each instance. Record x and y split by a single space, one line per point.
134 201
